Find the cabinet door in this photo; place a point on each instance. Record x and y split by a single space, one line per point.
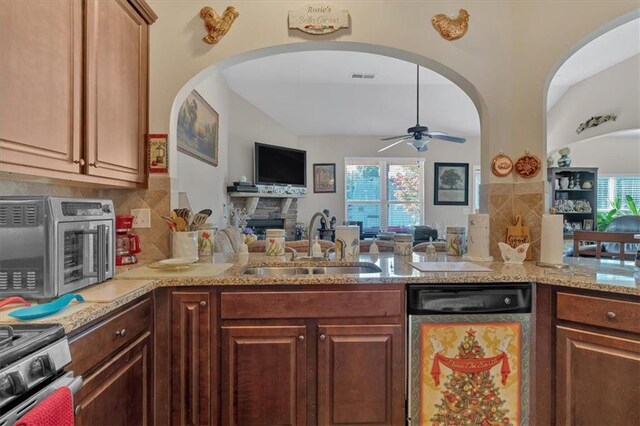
116 82
597 379
360 374
192 359
119 392
264 375
40 85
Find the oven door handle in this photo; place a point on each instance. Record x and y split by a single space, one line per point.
102 252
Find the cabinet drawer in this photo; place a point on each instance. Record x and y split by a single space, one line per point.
616 314
91 347
311 304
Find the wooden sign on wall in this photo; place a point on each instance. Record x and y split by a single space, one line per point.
318 19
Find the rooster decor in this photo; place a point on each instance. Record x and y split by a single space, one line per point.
451 28
217 25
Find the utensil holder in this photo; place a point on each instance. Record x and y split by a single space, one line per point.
184 244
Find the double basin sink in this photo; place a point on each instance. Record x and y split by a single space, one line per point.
361 268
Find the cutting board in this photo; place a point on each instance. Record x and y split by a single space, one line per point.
111 290
71 309
198 270
449 267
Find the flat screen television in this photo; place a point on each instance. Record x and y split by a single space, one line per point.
279 165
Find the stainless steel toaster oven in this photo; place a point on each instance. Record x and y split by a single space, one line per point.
50 246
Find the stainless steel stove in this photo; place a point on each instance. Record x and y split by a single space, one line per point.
32 361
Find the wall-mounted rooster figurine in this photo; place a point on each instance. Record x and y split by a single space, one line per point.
217 25
451 28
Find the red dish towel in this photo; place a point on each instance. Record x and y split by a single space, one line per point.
56 409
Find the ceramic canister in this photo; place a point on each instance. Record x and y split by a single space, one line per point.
206 236
274 242
184 244
350 234
456 240
402 244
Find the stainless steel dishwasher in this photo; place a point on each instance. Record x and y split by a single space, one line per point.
469 352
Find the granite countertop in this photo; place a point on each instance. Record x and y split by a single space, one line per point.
591 274
599 275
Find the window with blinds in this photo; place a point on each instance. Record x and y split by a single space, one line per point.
610 187
384 194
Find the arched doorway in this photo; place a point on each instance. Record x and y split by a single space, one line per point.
460 82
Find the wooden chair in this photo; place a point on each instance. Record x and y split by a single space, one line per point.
603 237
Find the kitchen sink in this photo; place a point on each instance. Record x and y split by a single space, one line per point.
277 270
363 268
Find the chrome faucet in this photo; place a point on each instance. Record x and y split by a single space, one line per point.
310 231
294 253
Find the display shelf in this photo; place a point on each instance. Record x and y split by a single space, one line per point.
569 197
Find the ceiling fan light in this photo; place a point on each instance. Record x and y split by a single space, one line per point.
419 144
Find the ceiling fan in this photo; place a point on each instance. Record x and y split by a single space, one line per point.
418 136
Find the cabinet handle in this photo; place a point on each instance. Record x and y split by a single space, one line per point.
323 337
78 409
80 161
611 315
121 333
203 303
301 337
94 164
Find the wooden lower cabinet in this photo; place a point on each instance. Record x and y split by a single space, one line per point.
193 380
597 378
264 375
360 374
119 392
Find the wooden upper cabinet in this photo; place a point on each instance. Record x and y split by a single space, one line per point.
40 85
116 85
73 90
360 374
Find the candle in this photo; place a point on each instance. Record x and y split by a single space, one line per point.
551 246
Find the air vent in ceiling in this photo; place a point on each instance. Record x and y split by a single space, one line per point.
363 76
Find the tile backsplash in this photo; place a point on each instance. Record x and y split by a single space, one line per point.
154 240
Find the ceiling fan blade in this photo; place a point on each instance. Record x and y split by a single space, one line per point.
394 137
394 144
435 133
449 138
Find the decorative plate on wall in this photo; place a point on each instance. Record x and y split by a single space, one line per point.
528 166
501 165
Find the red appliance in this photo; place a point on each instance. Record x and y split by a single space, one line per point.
127 243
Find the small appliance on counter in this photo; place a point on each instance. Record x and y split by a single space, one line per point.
32 361
53 245
127 243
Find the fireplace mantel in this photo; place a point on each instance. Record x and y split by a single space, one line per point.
252 199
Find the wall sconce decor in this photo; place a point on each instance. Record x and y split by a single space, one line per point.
217 25
595 122
451 28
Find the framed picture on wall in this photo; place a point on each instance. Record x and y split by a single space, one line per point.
324 177
198 129
451 184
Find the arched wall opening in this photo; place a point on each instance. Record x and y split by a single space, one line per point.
621 79
218 187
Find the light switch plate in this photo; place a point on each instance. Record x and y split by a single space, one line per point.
141 218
